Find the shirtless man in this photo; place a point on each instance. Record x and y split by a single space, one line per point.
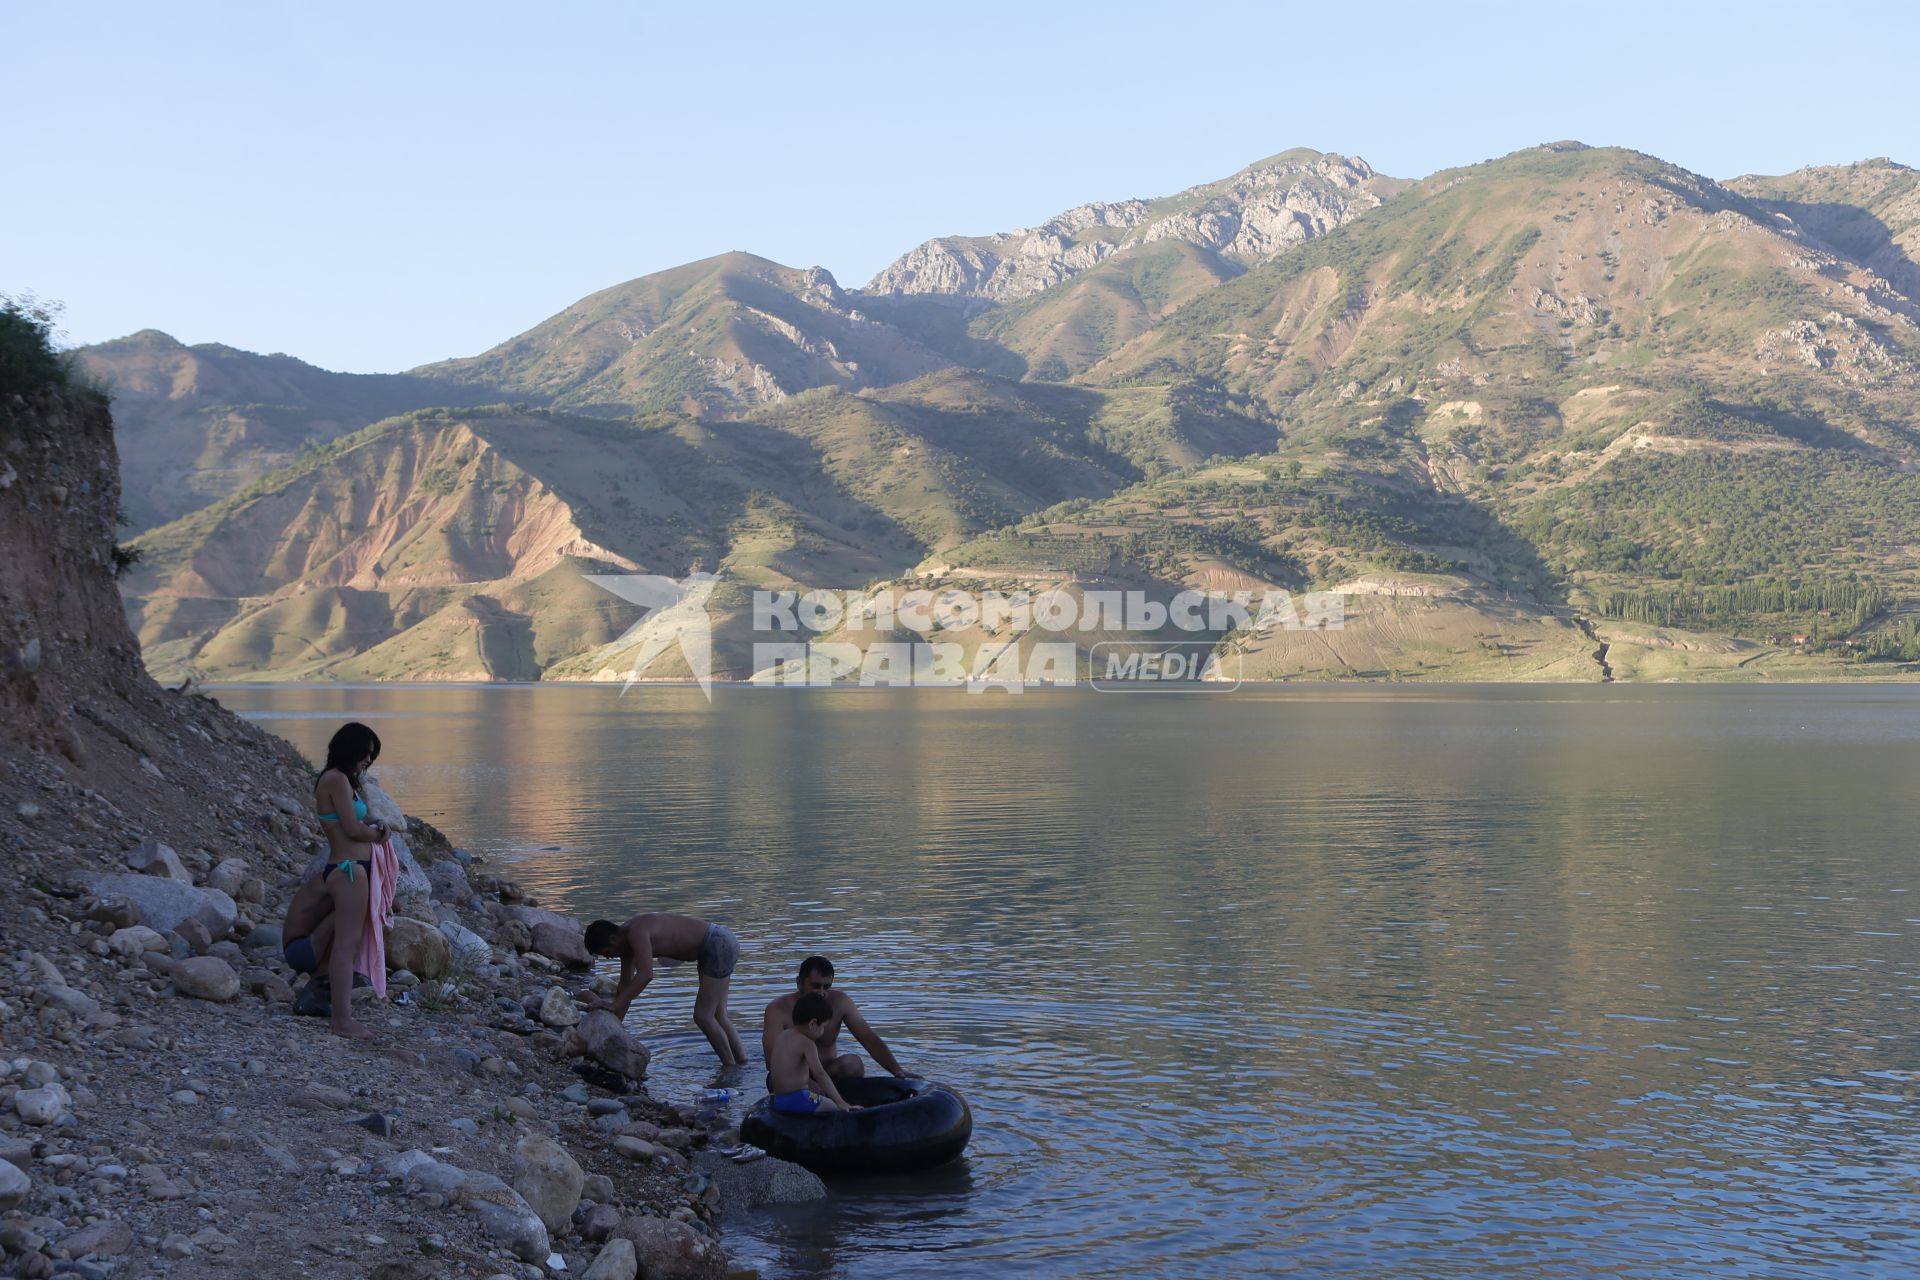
816 978
656 935
795 1078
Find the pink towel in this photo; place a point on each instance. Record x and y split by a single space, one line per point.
382 880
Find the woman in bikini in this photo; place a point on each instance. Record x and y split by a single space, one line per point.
329 912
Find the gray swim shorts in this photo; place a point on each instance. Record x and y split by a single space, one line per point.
719 952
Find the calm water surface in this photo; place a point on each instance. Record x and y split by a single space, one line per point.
1330 982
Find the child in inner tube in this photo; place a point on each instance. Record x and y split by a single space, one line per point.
799 1084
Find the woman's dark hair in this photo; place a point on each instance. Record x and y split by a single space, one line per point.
352 744
811 1007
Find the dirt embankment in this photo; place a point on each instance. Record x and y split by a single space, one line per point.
163 1111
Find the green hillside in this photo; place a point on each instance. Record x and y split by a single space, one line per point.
712 337
1574 413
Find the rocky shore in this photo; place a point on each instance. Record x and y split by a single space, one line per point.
163 1109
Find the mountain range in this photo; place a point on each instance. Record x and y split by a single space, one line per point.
1570 413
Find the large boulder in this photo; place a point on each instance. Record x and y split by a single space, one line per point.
14 1186
617 1261
515 935
567 946
380 806
151 858
506 1218
206 978
531 916
468 947
164 902
449 881
419 948
669 1250
548 1179
600 1036
744 1187
229 876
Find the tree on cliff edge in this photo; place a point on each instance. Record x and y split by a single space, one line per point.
29 359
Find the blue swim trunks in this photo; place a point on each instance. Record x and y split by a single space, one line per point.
300 955
801 1102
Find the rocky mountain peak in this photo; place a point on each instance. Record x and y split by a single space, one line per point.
1263 210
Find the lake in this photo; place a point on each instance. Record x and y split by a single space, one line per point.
1337 981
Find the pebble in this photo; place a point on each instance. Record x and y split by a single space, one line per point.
638 1149
185 1097
320 1097
606 1107
467 1126
176 1246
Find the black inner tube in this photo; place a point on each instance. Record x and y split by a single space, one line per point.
903 1124
877 1091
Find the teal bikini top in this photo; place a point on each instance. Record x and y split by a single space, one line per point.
359 812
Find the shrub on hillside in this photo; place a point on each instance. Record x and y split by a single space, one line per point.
29 360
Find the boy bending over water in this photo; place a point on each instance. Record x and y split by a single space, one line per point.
799 1084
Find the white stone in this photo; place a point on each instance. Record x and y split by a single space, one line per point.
42 1106
135 939
617 1261
557 1008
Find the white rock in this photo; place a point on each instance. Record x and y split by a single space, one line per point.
228 876
42 1106
469 948
548 1179
132 941
557 1008
617 1261
206 978
163 903
152 858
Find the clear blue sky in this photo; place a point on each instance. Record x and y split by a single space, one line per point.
372 186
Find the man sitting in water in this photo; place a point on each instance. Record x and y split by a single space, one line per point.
816 978
795 1078
713 949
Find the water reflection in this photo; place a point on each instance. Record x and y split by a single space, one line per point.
1353 982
